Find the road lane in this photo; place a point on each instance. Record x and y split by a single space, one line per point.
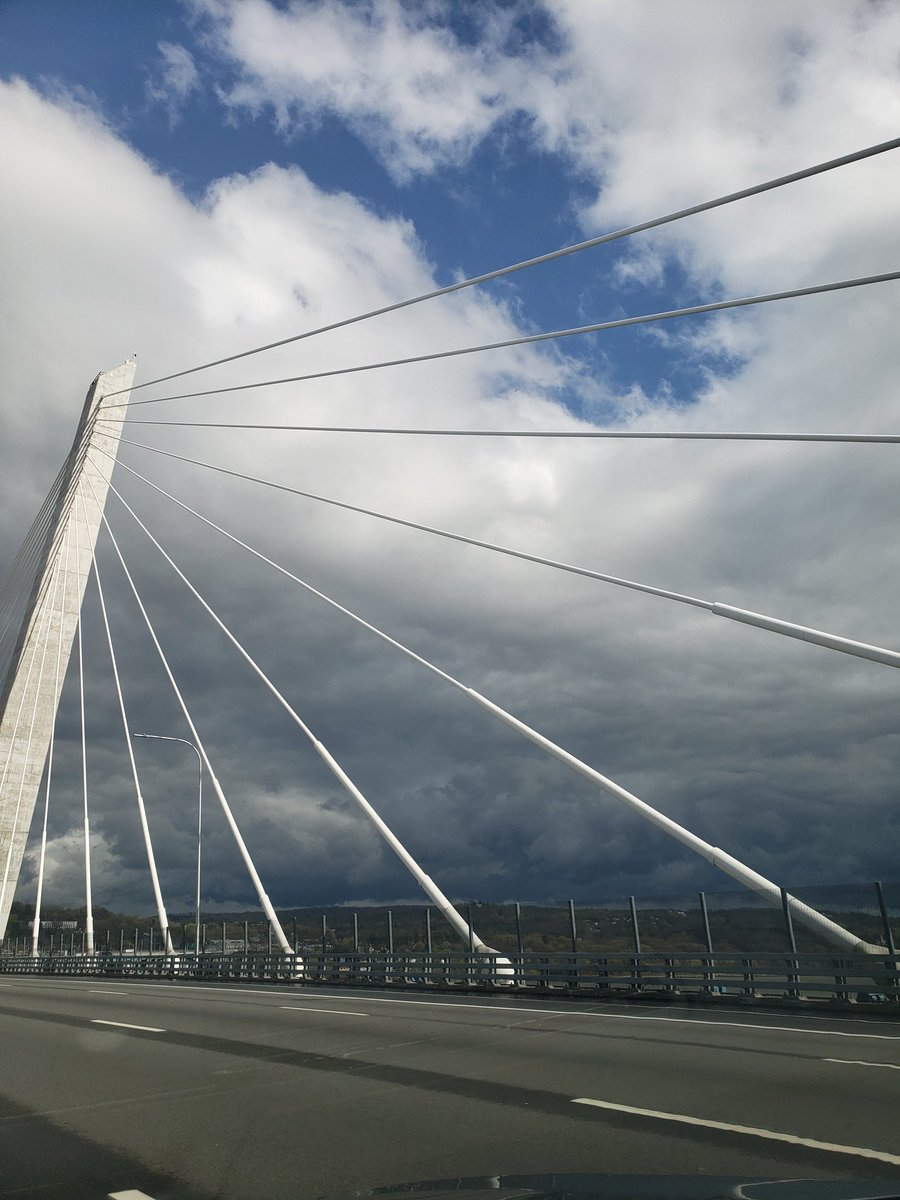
446 1082
779 1067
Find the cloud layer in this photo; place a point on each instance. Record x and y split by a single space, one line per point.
781 753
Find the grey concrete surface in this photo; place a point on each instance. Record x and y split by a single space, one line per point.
295 1092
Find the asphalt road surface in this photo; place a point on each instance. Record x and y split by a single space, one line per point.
180 1090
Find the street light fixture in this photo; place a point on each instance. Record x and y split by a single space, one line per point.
159 737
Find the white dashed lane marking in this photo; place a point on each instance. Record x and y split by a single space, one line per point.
123 1025
332 1012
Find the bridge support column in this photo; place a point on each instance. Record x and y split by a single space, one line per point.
31 686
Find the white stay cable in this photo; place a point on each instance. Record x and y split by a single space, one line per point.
804 633
264 900
42 854
40 640
431 889
616 434
532 339
713 854
602 239
142 812
88 886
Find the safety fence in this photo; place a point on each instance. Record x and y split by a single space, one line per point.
741 977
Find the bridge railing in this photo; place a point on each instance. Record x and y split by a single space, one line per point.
737 976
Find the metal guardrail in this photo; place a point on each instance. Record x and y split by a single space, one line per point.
742 977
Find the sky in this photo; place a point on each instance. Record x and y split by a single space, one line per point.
187 180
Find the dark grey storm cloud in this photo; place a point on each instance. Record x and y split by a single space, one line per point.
782 753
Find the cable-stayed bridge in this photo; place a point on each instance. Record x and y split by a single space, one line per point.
44 592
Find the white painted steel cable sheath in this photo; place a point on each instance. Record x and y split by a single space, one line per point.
804 633
589 243
551 335
822 925
161 913
265 902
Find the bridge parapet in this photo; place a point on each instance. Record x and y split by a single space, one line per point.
802 980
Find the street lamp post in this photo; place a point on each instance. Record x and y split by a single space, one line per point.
158 737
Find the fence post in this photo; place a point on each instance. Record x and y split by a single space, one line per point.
709 977
324 935
295 935
792 977
636 935
246 937
840 980
885 919
749 977
122 941
635 929
356 933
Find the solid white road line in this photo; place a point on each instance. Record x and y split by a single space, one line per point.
332 1012
603 1016
107 992
131 1194
122 1025
750 1130
855 1062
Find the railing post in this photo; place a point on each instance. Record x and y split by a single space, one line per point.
635 929
671 979
636 935
792 977
356 933
840 980
885 920
709 976
470 956
389 975
428 945
749 988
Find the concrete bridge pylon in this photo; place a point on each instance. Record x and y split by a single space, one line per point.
41 599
